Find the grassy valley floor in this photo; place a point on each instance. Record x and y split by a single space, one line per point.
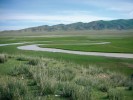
44 75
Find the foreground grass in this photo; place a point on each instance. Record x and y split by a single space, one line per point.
43 78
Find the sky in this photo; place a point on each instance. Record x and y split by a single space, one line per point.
19 14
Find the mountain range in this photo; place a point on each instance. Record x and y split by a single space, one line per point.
120 24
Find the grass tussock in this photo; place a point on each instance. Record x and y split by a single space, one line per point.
22 58
33 62
12 89
3 58
21 70
130 87
115 94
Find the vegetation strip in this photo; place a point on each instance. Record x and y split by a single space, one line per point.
41 78
14 43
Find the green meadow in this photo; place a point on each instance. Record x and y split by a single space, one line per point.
120 45
26 75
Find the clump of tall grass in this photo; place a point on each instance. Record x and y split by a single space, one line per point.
12 90
3 58
22 58
21 70
73 91
67 89
83 81
82 93
33 61
92 70
130 84
118 79
60 73
48 87
55 80
31 83
66 74
130 87
92 81
115 94
104 85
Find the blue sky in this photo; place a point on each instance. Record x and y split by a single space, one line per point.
18 14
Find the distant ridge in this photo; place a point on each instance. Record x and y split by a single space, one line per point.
120 24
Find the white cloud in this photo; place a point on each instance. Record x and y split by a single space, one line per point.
131 14
72 17
118 5
123 7
2 28
65 17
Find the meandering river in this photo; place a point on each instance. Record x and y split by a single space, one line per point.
35 47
